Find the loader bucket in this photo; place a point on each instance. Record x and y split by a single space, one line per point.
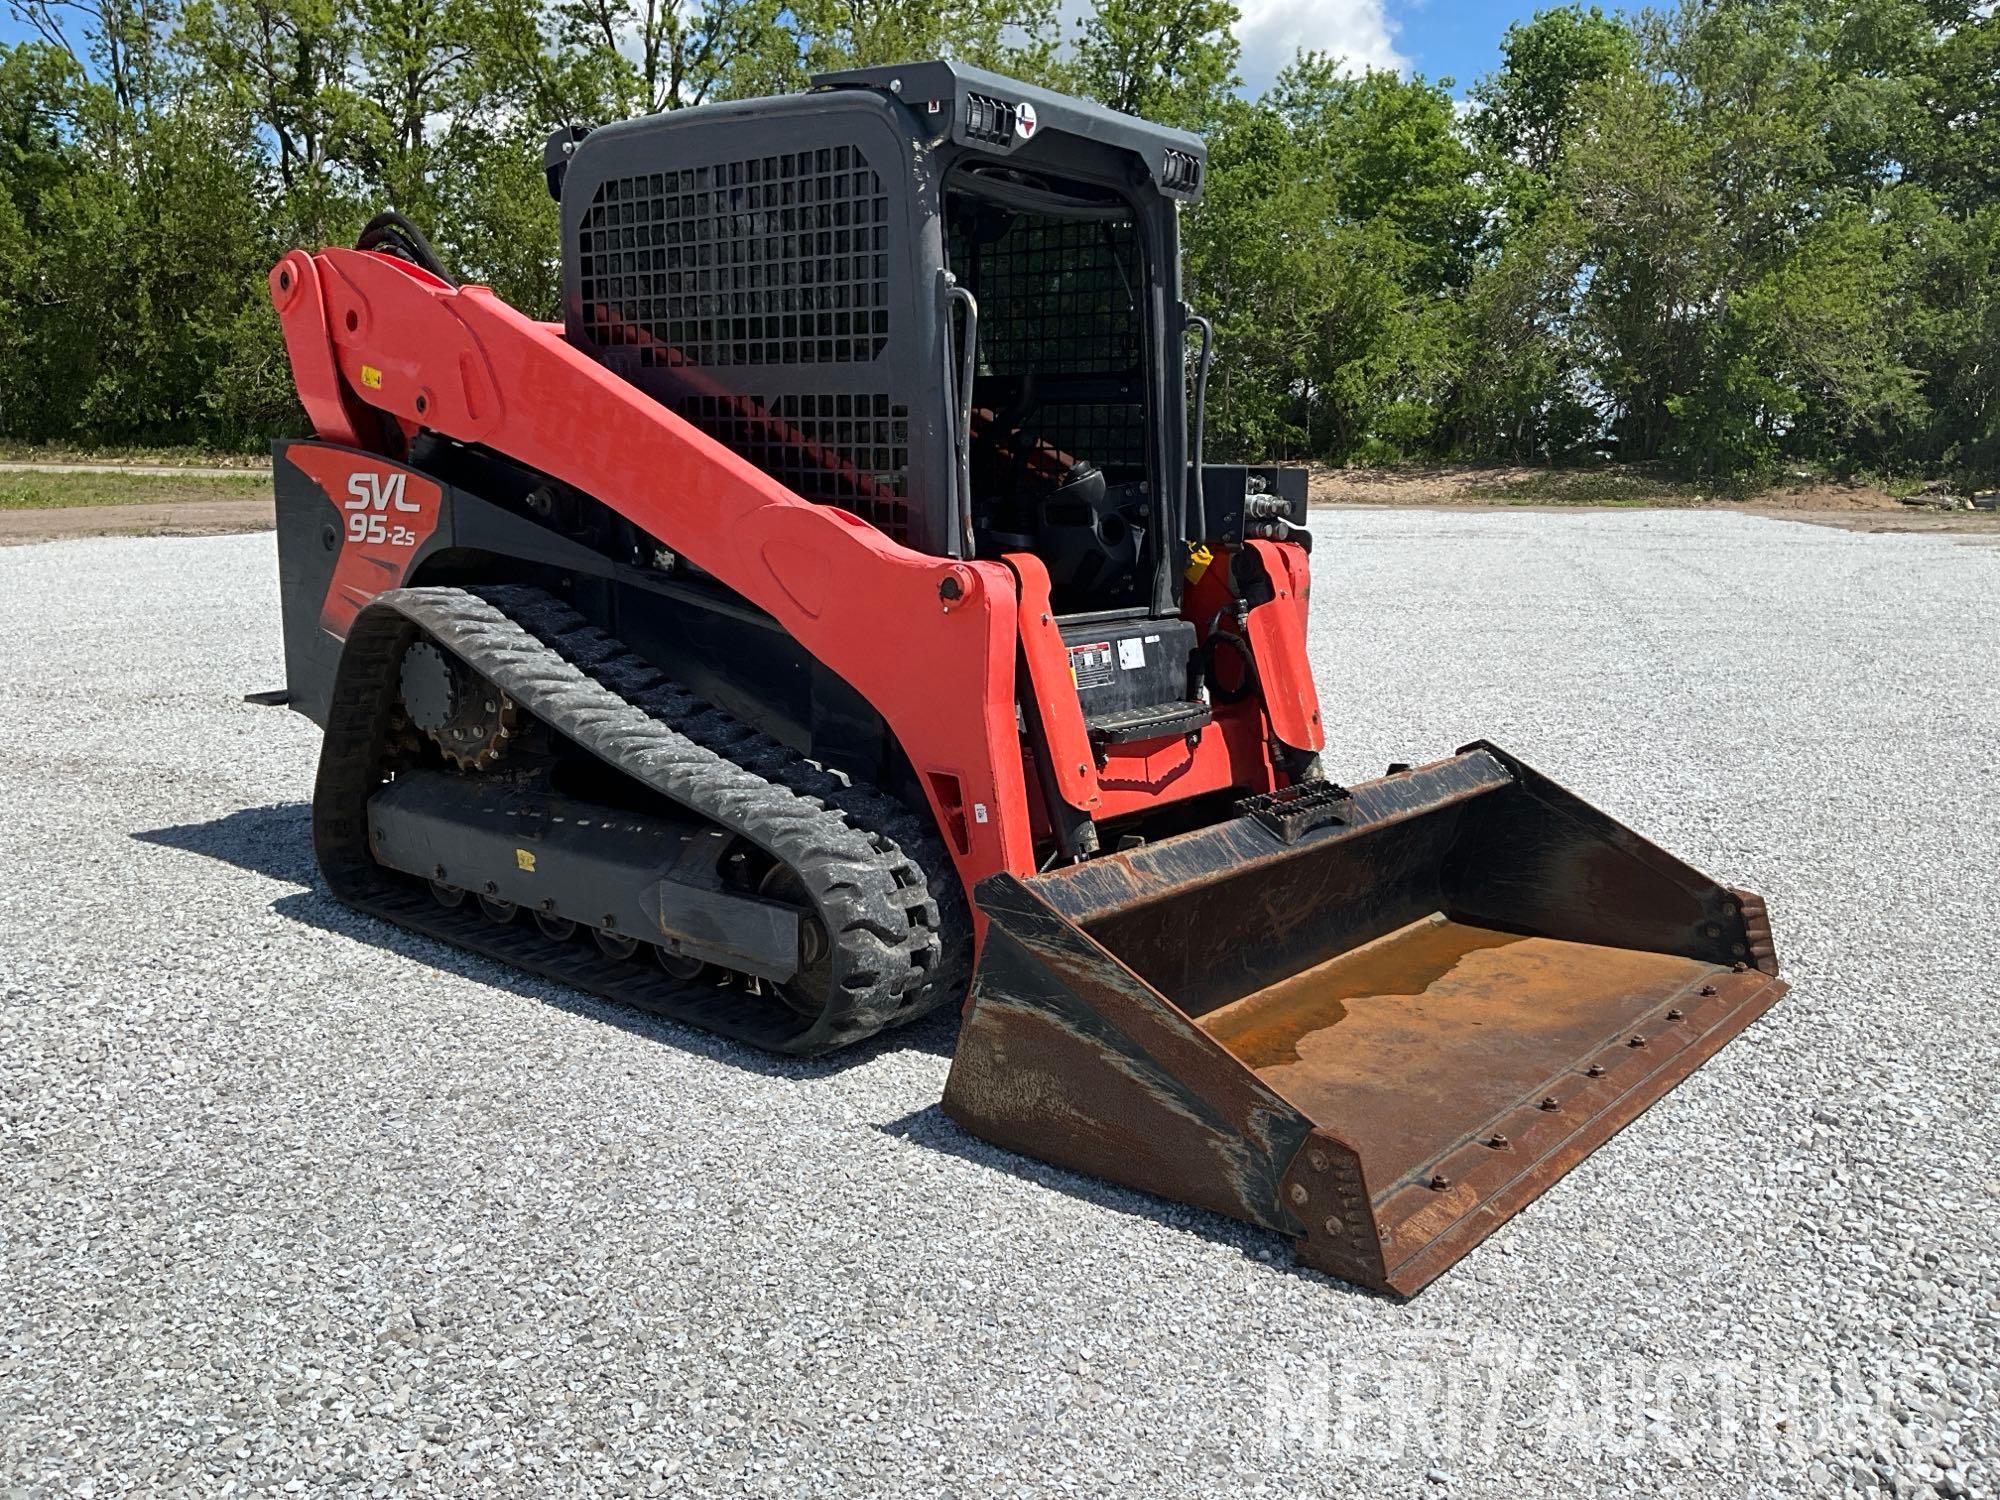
1379 1020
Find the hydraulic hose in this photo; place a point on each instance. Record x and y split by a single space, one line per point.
391 232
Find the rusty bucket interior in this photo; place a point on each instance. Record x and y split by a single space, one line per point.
1379 1019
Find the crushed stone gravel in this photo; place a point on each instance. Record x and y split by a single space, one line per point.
291 1202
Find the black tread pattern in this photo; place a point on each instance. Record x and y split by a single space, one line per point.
881 883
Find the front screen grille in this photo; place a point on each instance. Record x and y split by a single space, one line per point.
1055 295
778 260
852 451
1059 300
1112 437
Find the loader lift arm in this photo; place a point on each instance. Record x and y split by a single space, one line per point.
931 643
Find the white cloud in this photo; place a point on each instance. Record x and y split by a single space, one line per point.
1357 32
1272 33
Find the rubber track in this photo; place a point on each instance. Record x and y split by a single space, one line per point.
882 885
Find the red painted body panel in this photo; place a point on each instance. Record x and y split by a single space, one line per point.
941 673
1053 682
387 511
1277 630
367 330
1232 752
301 304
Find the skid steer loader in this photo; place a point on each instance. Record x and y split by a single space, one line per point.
834 617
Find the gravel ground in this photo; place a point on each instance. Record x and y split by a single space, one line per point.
294 1202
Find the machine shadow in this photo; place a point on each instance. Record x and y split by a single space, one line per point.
276 842
934 1130
273 841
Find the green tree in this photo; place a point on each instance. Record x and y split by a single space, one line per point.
405 79
1734 300
1941 62
119 40
1171 61
42 103
1522 392
1389 150
1730 235
1341 217
1527 111
132 254
1009 35
1944 311
282 65
680 54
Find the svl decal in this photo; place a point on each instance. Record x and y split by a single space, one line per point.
386 514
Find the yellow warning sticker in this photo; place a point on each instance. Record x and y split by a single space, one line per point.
371 377
525 860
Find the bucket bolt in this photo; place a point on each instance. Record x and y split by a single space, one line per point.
1497 1141
1595 1070
1707 990
1637 1041
1551 1102
1440 1182
1675 1015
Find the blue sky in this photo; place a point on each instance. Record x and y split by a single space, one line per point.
1460 38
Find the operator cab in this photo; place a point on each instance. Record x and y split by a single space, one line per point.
944 300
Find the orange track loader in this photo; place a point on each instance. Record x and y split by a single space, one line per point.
834 617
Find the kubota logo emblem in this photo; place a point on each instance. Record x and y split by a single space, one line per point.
369 496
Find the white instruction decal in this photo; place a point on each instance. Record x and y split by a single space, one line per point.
1091 665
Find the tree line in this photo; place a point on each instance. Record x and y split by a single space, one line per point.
1733 237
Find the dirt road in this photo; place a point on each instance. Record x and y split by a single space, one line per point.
169 518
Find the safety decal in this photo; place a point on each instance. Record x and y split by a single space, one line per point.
1092 665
